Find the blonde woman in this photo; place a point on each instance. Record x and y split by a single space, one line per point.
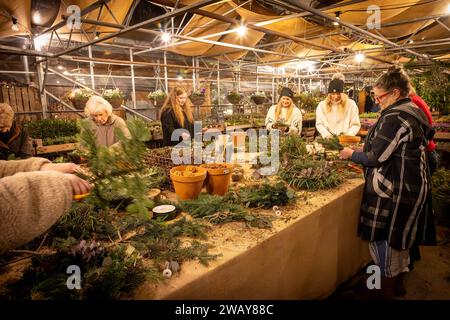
104 121
337 114
285 112
177 114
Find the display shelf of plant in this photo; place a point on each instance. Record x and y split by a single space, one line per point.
53 135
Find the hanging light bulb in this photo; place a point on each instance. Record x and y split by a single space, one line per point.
15 26
337 13
359 57
166 37
241 30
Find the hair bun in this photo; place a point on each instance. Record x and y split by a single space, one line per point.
395 69
338 76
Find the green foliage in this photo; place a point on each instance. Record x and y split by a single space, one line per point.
265 196
120 174
112 94
216 210
306 101
311 175
330 143
104 276
261 94
441 186
60 140
434 87
369 115
52 128
293 147
302 171
158 94
80 93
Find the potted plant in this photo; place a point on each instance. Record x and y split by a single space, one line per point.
198 97
218 178
298 97
79 97
158 97
188 181
258 97
114 97
235 97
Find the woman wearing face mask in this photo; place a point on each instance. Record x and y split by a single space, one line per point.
177 114
397 187
14 140
104 121
285 112
337 114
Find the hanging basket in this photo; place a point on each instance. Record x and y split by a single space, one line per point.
158 102
197 100
79 103
258 100
115 102
234 99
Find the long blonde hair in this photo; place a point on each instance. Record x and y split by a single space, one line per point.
172 102
280 106
342 103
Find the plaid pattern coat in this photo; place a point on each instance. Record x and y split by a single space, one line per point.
397 176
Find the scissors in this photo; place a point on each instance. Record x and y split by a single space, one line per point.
79 197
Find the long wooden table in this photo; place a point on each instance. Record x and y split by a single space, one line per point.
306 256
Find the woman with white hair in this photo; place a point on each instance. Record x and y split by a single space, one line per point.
337 114
104 121
14 140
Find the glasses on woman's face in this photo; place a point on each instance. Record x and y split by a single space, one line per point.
379 98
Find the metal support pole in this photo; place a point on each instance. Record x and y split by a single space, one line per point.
218 82
257 76
91 67
273 86
166 82
133 86
194 72
27 70
40 75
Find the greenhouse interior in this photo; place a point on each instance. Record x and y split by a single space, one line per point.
225 150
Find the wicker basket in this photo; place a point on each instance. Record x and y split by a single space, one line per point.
258 99
78 103
197 100
115 102
234 99
161 158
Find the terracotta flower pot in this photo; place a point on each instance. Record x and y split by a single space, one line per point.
239 138
219 177
188 187
349 139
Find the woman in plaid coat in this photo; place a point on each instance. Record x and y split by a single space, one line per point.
397 178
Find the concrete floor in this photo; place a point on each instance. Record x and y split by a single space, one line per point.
429 280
